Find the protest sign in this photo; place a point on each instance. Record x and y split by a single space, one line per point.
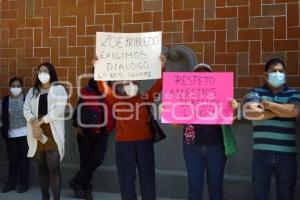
197 98
128 56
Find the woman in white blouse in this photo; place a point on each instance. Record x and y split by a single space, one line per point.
44 111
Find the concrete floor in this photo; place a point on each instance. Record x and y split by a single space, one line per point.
34 194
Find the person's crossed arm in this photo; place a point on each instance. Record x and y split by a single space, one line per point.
288 110
254 110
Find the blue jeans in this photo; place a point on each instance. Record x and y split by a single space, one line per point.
200 159
129 157
284 166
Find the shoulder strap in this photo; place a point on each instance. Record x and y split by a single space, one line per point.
5 102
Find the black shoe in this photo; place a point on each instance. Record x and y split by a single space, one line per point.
46 197
45 194
77 189
88 194
8 188
23 189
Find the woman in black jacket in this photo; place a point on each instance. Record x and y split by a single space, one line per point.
14 133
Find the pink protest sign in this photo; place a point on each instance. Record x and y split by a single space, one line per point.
197 98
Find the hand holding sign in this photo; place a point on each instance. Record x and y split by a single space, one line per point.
94 61
163 60
234 104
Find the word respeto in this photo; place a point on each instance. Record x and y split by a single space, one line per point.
185 80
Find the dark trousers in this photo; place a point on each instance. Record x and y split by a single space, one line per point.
17 149
201 160
132 155
284 166
92 148
49 173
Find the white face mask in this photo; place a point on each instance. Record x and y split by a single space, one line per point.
276 79
44 77
131 89
15 91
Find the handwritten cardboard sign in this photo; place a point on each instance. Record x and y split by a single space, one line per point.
197 98
128 56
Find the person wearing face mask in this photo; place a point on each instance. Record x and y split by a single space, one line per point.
273 109
131 88
134 145
14 133
44 111
205 149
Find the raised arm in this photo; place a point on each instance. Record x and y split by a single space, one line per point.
157 87
107 92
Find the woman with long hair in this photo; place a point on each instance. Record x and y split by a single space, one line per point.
44 111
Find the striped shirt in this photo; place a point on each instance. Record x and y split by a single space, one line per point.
276 134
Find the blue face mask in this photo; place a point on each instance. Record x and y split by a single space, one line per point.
276 79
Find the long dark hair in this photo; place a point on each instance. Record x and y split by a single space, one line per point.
52 73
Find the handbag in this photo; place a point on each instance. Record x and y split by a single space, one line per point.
157 132
89 116
229 141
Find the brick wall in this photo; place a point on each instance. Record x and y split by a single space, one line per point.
232 35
